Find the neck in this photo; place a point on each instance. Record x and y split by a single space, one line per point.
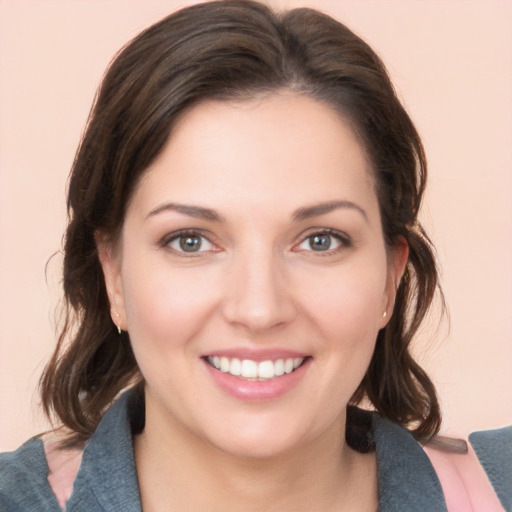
178 471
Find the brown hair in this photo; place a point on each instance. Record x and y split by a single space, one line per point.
224 50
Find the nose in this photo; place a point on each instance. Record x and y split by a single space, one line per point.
260 296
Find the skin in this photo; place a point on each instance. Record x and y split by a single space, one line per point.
256 283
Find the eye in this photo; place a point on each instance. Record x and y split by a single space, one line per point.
324 241
189 243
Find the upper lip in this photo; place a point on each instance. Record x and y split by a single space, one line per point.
257 354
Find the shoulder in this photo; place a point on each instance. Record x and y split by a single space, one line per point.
494 451
23 480
416 477
481 478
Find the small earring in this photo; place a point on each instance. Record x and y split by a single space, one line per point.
117 324
385 314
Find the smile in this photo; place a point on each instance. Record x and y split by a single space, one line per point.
255 370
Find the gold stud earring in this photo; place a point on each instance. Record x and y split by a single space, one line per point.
117 324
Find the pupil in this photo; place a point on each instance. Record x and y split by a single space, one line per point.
320 242
190 243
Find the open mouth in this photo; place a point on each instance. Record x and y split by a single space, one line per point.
248 369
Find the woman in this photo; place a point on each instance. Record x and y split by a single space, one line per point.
243 255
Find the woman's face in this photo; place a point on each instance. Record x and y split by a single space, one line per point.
252 275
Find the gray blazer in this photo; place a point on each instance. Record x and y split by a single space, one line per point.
107 479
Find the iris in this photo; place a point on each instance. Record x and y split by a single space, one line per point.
190 243
320 242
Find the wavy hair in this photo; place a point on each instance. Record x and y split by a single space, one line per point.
224 50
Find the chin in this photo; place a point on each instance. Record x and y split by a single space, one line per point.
258 447
263 436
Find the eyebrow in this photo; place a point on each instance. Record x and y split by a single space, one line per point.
197 212
200 212
323 208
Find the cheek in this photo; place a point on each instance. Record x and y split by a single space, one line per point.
166 306
346 313
346 303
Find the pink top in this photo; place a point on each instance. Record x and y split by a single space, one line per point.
465 484
63 466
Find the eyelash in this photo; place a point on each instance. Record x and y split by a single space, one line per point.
166 241
343 239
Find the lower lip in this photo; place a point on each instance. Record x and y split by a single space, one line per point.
258 390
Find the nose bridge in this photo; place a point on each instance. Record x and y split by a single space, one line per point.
259 296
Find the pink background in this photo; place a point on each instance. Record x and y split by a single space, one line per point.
451 62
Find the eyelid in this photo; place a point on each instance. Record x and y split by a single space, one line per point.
344 239
166 240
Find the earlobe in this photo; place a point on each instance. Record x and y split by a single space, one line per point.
110 264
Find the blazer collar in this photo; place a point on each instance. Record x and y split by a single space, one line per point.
406 478
108 465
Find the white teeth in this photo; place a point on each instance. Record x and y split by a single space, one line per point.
249 369
236 367
266 370
279 367
288 366
224 364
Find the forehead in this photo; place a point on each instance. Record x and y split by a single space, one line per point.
283 148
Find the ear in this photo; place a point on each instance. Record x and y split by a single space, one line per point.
397 260
110 261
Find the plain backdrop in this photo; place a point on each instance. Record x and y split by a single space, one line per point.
451 62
